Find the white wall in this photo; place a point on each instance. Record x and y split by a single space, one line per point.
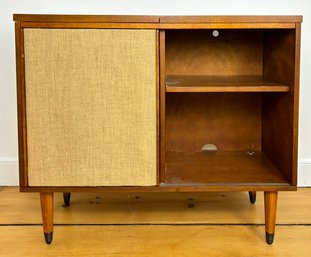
8 124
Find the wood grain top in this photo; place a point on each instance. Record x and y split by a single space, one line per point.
230 19
86 18
155 19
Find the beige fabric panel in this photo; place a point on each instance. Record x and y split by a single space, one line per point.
91 107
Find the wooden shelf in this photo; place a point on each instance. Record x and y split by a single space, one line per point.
220 168
189 83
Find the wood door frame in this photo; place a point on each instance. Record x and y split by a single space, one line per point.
22 114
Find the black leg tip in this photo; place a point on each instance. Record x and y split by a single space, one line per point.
66 197
252 197
269 238
48 237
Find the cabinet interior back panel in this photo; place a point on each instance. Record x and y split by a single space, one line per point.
91 107
230 121
198 52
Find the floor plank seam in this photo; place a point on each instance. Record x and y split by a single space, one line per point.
156 224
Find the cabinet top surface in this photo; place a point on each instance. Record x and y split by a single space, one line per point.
154 19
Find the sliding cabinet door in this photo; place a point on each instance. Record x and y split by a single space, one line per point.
91 107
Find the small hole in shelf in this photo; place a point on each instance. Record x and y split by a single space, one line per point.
209 148
250 153
215 33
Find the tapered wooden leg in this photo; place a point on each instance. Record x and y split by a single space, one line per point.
47 215
66 197
252 196
270 215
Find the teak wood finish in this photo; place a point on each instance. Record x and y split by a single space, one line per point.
47 205
238 91
270 214
201 83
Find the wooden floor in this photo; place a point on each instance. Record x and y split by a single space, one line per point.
162 224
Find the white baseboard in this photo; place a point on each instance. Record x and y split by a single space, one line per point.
304 173
9 172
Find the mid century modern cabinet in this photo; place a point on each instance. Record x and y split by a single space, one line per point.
157 104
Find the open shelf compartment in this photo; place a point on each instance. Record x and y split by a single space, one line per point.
236 60
236 92
253 147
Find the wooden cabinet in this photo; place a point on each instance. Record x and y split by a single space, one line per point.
165 104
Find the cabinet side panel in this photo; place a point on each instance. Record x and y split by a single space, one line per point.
91 107
20 90
279 129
